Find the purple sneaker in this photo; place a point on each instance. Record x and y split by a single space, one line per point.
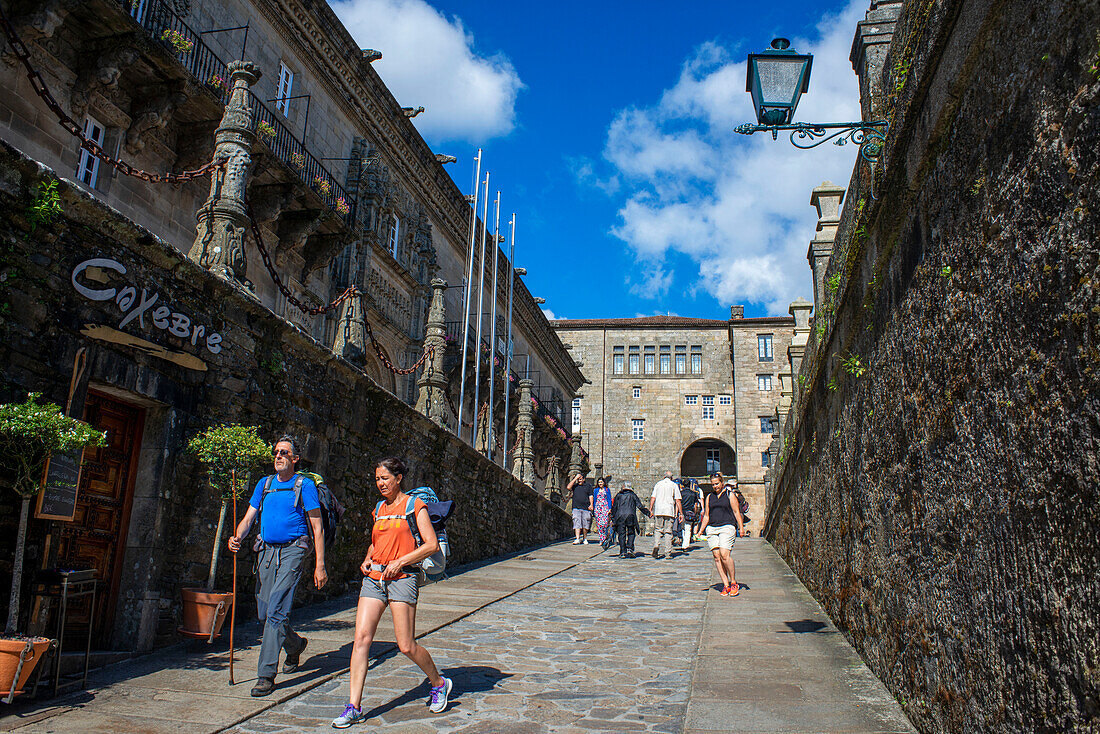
350 716
439 696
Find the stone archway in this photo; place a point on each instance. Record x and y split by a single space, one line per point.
707 455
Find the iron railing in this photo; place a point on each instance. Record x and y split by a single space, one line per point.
159 20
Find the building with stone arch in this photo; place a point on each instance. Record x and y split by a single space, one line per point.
680 394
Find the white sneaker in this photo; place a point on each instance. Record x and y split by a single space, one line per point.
586 541
350 716
576 541
439 697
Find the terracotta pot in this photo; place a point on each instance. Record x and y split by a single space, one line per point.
204 612
10 649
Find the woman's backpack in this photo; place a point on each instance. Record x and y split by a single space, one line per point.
438 513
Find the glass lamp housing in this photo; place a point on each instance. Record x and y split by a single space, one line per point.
777 79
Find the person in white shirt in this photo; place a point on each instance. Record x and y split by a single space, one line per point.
664 505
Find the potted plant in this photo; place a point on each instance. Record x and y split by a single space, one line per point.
229 452
29 433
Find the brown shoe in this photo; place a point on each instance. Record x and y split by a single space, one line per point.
263 687
290 664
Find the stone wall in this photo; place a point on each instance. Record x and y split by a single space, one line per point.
940 498
265 371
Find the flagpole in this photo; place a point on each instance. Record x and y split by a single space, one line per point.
480 308
493 325
508 337
466 305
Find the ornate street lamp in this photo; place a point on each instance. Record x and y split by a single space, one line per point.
777 79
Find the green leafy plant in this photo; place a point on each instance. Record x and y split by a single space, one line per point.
265 129
46 206
852 365
181 43
945 272
833 385
272 363
833 283
29 433
228 451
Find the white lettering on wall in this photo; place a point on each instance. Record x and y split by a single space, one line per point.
134 307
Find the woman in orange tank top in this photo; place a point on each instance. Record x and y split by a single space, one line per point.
390 579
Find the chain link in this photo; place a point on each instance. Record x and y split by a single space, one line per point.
86 143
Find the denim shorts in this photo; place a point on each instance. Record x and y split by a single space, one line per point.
405 590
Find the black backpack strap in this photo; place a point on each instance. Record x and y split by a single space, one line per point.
298 479
410 517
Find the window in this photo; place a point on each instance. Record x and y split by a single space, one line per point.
666 361
285 90
765 459
764 347
724 400
696 360
708 407
765 424
637 429
691 399
764 383
632 362
87 171
714 461
681 360
636 392
708 400
395 231
576 414
648 361
617 361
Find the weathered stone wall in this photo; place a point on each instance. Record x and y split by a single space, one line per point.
266 372
943 505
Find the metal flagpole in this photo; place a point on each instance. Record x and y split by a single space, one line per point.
508 337
469 285
493 325
480 299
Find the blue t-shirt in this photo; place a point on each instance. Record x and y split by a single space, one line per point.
281 521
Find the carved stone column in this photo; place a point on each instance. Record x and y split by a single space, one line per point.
826 198
481 440
800 309
351 331
553 488
431 386
524 465
223 219
576 459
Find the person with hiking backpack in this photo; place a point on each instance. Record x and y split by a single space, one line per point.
391 580
290 524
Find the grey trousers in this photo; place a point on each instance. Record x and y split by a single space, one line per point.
279 572
662 534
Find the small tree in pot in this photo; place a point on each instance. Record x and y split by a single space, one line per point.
29 433
226 451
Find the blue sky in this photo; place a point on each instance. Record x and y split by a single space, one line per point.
608 129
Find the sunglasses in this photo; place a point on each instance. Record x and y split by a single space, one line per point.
281 452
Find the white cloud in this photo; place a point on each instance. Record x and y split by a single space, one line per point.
736 206
548 314
429 60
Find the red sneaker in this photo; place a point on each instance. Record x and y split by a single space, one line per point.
734 590
725 591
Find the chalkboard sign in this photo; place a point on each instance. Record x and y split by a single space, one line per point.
57 496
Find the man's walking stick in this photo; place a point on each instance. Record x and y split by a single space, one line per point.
233 608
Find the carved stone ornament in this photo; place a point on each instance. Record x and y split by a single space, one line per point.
432 383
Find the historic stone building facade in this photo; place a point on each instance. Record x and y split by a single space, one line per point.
670 393
151 309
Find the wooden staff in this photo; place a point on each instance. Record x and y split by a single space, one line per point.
233 608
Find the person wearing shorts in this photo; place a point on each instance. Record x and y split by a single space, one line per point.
722 524
583 497
391 580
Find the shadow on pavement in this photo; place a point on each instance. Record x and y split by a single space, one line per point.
467 679
803 626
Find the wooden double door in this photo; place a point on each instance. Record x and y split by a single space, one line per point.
96 537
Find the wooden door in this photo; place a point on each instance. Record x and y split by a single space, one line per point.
96 538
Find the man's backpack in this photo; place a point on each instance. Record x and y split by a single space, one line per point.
688 500
332 512
743 505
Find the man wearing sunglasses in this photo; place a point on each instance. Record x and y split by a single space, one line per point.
290 524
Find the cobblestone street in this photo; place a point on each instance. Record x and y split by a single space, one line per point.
625 645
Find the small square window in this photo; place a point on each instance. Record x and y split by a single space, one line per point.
636 392
708 412
691 399
764 383
765 459
764 347
708 400
765 424
724 400
637 429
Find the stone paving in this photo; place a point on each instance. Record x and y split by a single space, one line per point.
622 646
561 640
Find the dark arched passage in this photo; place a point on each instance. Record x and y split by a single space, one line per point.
708 455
